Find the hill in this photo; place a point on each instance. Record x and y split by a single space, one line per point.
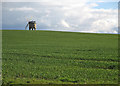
46 57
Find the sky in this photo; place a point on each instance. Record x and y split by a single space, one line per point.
96 16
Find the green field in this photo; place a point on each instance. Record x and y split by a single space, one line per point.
51 57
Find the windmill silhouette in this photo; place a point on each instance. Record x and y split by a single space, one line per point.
31 24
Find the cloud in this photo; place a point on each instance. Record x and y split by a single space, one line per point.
63 15
23 9
93 5
57 0
105 20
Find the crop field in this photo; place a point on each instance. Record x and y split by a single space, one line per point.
51 57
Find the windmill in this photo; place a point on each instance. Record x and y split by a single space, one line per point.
31 24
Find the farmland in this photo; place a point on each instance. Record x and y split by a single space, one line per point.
51 57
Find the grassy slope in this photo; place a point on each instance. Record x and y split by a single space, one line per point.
59 57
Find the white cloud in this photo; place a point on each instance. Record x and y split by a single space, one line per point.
23 9
57 0
93 5
105 20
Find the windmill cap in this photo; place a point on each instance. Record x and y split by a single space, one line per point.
32 21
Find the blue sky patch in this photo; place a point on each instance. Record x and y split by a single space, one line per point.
107 5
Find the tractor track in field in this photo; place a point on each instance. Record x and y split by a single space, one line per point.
47 56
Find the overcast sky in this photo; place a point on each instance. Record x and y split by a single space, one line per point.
98 16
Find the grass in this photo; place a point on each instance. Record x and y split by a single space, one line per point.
50 57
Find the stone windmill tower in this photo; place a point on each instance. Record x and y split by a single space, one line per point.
31 24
